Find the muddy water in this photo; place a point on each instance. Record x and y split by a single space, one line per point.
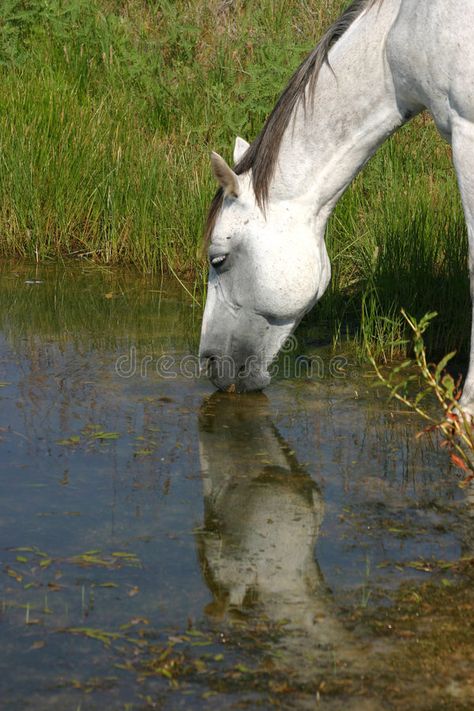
164 547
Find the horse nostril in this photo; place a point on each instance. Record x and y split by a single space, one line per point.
208 357
208 360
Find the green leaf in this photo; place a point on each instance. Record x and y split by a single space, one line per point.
443 363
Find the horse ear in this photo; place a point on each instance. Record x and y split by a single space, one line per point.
240 148
225 176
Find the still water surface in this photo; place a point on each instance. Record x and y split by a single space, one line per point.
164 547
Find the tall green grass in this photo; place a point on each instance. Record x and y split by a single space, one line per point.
108 110
398 240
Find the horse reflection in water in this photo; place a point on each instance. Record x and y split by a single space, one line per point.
262 518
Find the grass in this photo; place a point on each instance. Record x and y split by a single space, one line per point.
108 111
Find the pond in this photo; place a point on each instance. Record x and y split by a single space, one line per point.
165 547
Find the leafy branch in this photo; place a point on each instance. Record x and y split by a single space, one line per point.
454 426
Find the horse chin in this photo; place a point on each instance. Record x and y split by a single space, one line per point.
253 382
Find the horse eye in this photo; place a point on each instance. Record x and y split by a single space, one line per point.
218 261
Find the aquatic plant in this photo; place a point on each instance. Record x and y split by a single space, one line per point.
448 419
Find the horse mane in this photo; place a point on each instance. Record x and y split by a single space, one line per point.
261 157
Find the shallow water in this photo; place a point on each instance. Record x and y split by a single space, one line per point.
163 547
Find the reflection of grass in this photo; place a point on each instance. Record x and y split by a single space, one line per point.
71 306
105 149
365 591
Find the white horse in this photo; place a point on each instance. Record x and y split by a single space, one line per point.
379 65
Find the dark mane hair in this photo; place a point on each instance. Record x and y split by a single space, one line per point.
261 157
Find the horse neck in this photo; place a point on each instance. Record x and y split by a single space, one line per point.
354 111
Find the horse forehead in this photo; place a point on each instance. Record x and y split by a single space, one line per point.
234 221
245 215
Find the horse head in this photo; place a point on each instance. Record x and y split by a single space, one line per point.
266 270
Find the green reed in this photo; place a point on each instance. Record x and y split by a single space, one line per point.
108 111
